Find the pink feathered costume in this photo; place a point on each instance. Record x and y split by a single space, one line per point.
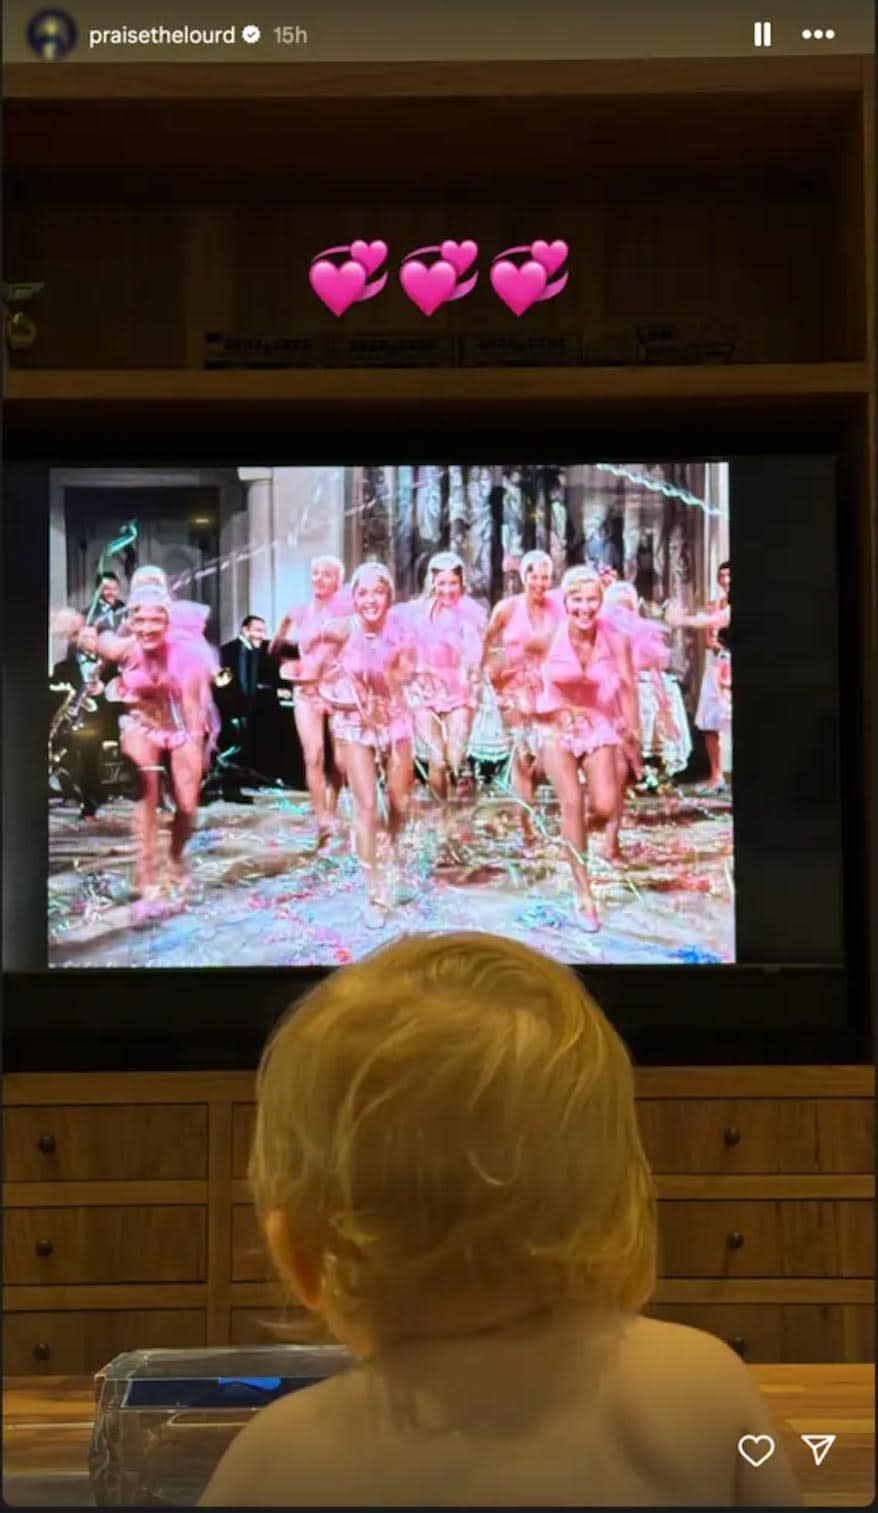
155 688
370 707
581 707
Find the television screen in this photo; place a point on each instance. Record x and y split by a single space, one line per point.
294 711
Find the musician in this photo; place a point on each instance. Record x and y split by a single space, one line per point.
108 610
246 696
92 719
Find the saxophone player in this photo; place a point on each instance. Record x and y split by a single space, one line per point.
88 720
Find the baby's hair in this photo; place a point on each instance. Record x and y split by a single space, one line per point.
575 576
455 1110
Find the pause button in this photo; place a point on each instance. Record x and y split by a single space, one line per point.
761 33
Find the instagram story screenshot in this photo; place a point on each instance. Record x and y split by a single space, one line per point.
438 762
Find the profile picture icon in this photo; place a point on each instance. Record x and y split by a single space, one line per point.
52 34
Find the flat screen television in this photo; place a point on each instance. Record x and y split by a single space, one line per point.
293 710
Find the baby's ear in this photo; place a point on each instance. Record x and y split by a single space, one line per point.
301 1271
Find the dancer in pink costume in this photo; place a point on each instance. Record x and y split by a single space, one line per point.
516 644
166 671
713 715
663 727
449 626
589 711
364 668
301 627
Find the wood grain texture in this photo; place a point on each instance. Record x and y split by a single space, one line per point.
52 1246
84 1340
764 1239
831 75
732 1136
675 1082
162 1142
421 386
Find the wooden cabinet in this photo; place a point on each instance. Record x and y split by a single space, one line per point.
74 1342
152 1142
143 1234
726 1136
160 1243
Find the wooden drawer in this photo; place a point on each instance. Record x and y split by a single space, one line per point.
272 1326
53 1344
766 1239
48 1246
138 1142
250 1261
243 1120
735 1135
783 1333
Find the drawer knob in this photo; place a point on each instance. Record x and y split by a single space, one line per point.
42 1352
739 1344
732 1136
44 1247
735 1240
46 1144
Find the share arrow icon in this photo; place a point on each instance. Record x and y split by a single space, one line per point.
819 1445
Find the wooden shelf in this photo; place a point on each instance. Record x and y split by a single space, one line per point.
427 386
289 80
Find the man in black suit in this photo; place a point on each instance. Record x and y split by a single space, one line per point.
108 609
246 696
95 722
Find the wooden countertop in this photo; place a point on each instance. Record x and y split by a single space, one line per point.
47 1423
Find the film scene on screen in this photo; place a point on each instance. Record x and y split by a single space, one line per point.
295 711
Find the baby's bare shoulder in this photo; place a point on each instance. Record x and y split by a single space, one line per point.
277 1459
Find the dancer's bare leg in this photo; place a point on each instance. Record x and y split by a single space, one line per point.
309 724
601 775
363 779
712 743
562 770
458 724
398 788
523 779
186 770
612 850
139 750
431 734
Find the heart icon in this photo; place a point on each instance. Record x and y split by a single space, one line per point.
550 255
428 288
756 1448
370 254
459 254
337 287
518 287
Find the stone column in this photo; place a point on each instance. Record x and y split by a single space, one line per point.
260 544
309 521
57 647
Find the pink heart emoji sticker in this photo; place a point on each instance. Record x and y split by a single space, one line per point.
370 254
337 287
459 254
518 287
550 255
428 288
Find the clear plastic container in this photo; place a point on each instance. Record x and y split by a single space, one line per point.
164 1417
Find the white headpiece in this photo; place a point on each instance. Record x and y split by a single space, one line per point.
574 576
445 562
377 570
533 559
149 589
327 560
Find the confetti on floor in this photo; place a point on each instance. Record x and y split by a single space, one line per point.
263 896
